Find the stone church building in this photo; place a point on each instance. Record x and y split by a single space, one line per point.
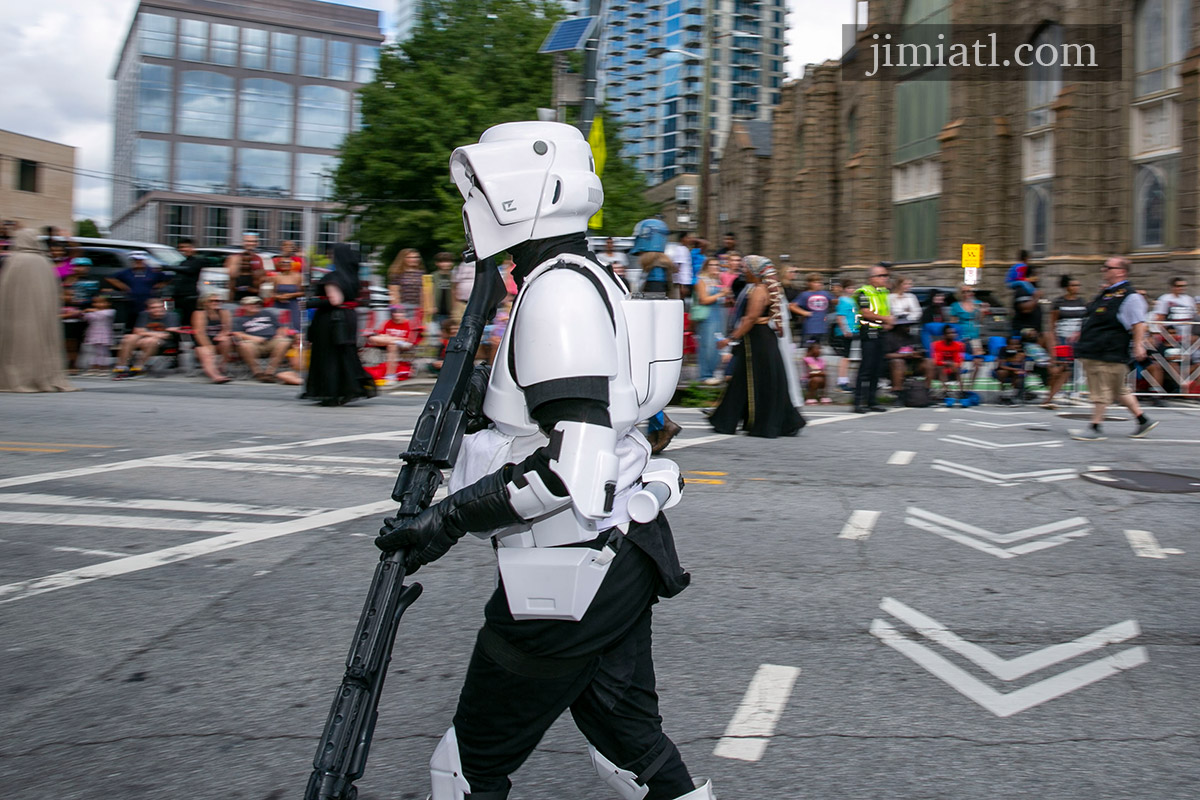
908 170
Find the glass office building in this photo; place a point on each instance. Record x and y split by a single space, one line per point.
408 14
651 71
229 115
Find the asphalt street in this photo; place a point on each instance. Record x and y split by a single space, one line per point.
921 604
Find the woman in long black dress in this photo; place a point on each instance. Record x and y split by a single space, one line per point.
335 375
757 395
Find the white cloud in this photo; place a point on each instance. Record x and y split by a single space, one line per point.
815 31
56 70
59 56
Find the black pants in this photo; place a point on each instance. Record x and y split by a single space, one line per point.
870 368
509 700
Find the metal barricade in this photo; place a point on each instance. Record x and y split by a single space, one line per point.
1175 360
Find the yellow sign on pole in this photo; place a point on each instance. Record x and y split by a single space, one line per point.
599 155
972 256
972 262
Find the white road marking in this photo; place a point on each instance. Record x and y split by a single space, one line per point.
1145 545
970 535
998 413
245 535
1168 441
980 423
1010 479
23 499
901 458
753 724
986 445
315 470
860 525
1009 669
309 458
927 427
1000 704
680 444
174 458
86 552
126 521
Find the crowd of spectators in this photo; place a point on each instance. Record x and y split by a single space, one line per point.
947 345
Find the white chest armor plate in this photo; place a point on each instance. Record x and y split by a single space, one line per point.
543 580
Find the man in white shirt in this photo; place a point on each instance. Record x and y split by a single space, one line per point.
1177 305
680 253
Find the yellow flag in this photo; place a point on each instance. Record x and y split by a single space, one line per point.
599 155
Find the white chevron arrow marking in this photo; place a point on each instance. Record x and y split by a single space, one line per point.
970 535
980 423
1010 479
1010 669
1000 703
984 444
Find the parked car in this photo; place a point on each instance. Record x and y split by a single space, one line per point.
165 256
995 322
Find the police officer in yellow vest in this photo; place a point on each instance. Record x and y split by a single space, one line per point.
875 317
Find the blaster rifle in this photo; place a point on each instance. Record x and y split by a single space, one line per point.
342 752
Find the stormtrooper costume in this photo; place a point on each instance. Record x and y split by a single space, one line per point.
558 481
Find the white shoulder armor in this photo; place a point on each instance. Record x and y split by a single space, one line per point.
572 320
565 330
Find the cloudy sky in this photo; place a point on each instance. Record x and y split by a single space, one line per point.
59 57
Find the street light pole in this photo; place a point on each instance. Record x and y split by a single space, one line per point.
705 127
590 67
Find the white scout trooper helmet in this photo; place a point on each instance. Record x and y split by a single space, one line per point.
524 181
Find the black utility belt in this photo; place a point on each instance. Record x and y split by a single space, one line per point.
870 333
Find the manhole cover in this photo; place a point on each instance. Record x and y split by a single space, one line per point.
1137 481
1088 417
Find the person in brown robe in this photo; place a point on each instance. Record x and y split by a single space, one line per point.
31 335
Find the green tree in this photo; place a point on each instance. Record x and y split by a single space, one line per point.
469 64
87 228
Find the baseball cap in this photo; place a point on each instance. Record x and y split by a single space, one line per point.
251 300
138 255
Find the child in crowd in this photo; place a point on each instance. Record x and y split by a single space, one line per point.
98 339
449 330
815 366
1010 369
1036 355
395 335
948 354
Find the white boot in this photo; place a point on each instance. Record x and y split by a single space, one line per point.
445 770
703 791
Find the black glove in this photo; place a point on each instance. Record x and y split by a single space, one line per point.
482 506
477 386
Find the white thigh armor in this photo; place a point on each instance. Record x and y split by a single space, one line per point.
573 322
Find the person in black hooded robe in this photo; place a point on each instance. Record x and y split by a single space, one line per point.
336 375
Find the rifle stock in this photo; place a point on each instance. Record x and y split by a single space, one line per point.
345 743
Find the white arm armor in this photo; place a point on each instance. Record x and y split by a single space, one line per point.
564 348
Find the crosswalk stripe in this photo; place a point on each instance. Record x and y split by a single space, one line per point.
179 506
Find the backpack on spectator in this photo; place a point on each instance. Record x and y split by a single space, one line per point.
915 394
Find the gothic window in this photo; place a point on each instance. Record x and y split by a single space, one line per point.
1150 207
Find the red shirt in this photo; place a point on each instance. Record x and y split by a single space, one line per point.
400 330
945 353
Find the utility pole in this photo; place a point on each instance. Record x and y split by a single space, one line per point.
705 127
590 67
